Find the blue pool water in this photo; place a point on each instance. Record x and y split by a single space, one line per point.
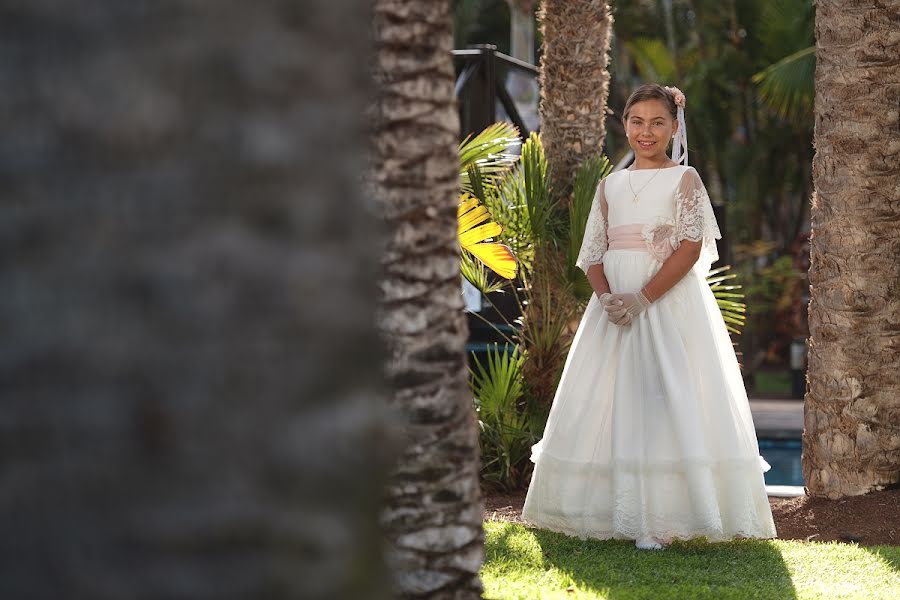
784 456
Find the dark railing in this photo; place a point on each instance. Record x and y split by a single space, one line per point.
481 82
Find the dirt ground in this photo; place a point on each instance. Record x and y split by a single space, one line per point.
869 520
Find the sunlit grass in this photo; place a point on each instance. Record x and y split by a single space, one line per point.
528 564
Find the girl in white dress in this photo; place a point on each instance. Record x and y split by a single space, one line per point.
650 435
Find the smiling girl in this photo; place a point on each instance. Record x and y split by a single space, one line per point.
650 436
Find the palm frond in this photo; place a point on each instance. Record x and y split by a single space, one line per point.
787 87
505 430
489 152
538 195
475 229
475 273
733 312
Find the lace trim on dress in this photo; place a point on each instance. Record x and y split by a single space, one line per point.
595 243
630 515
713 533
695 219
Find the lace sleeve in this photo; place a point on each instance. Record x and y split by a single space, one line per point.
695 220
594 243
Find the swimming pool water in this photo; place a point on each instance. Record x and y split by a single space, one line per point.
784 457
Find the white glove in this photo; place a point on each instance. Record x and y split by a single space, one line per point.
623 308
613 307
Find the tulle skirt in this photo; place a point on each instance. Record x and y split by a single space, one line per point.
650 431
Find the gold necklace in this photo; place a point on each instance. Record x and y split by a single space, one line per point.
635 193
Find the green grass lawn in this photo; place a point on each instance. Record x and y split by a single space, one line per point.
535 564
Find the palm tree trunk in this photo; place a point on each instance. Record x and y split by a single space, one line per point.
574 87
433 511
851 440
186 288
574 84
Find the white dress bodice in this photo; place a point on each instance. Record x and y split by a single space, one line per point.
673 205
656 195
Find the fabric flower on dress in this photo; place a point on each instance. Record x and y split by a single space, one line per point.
659 236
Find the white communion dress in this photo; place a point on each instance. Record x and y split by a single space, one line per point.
650 431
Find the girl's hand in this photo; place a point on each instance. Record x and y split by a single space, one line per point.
623 308
613 308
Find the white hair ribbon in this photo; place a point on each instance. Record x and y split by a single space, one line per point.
680 139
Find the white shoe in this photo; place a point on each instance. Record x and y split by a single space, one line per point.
648 543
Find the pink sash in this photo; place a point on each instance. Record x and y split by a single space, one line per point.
627 237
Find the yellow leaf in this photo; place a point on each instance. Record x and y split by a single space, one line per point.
497 257
479 234
466 202
470 214
472 236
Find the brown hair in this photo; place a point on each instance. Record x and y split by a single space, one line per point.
651 91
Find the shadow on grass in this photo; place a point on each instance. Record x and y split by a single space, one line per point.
616 569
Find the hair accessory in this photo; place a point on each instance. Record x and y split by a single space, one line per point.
681 136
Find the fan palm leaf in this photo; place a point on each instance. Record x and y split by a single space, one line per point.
488 151
475 228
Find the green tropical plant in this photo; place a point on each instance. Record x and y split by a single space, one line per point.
652 58
483 161
733 311
487 152
587 178
551 293
786 86
505 434
522 202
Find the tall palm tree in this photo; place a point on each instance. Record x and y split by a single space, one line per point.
851 442
189 364
574 83
433 511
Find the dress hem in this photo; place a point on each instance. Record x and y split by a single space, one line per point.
711 535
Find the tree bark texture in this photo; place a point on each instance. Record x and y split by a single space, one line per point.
574 83
851 439
434 505
190 369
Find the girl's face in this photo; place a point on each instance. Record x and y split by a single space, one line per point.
650 128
